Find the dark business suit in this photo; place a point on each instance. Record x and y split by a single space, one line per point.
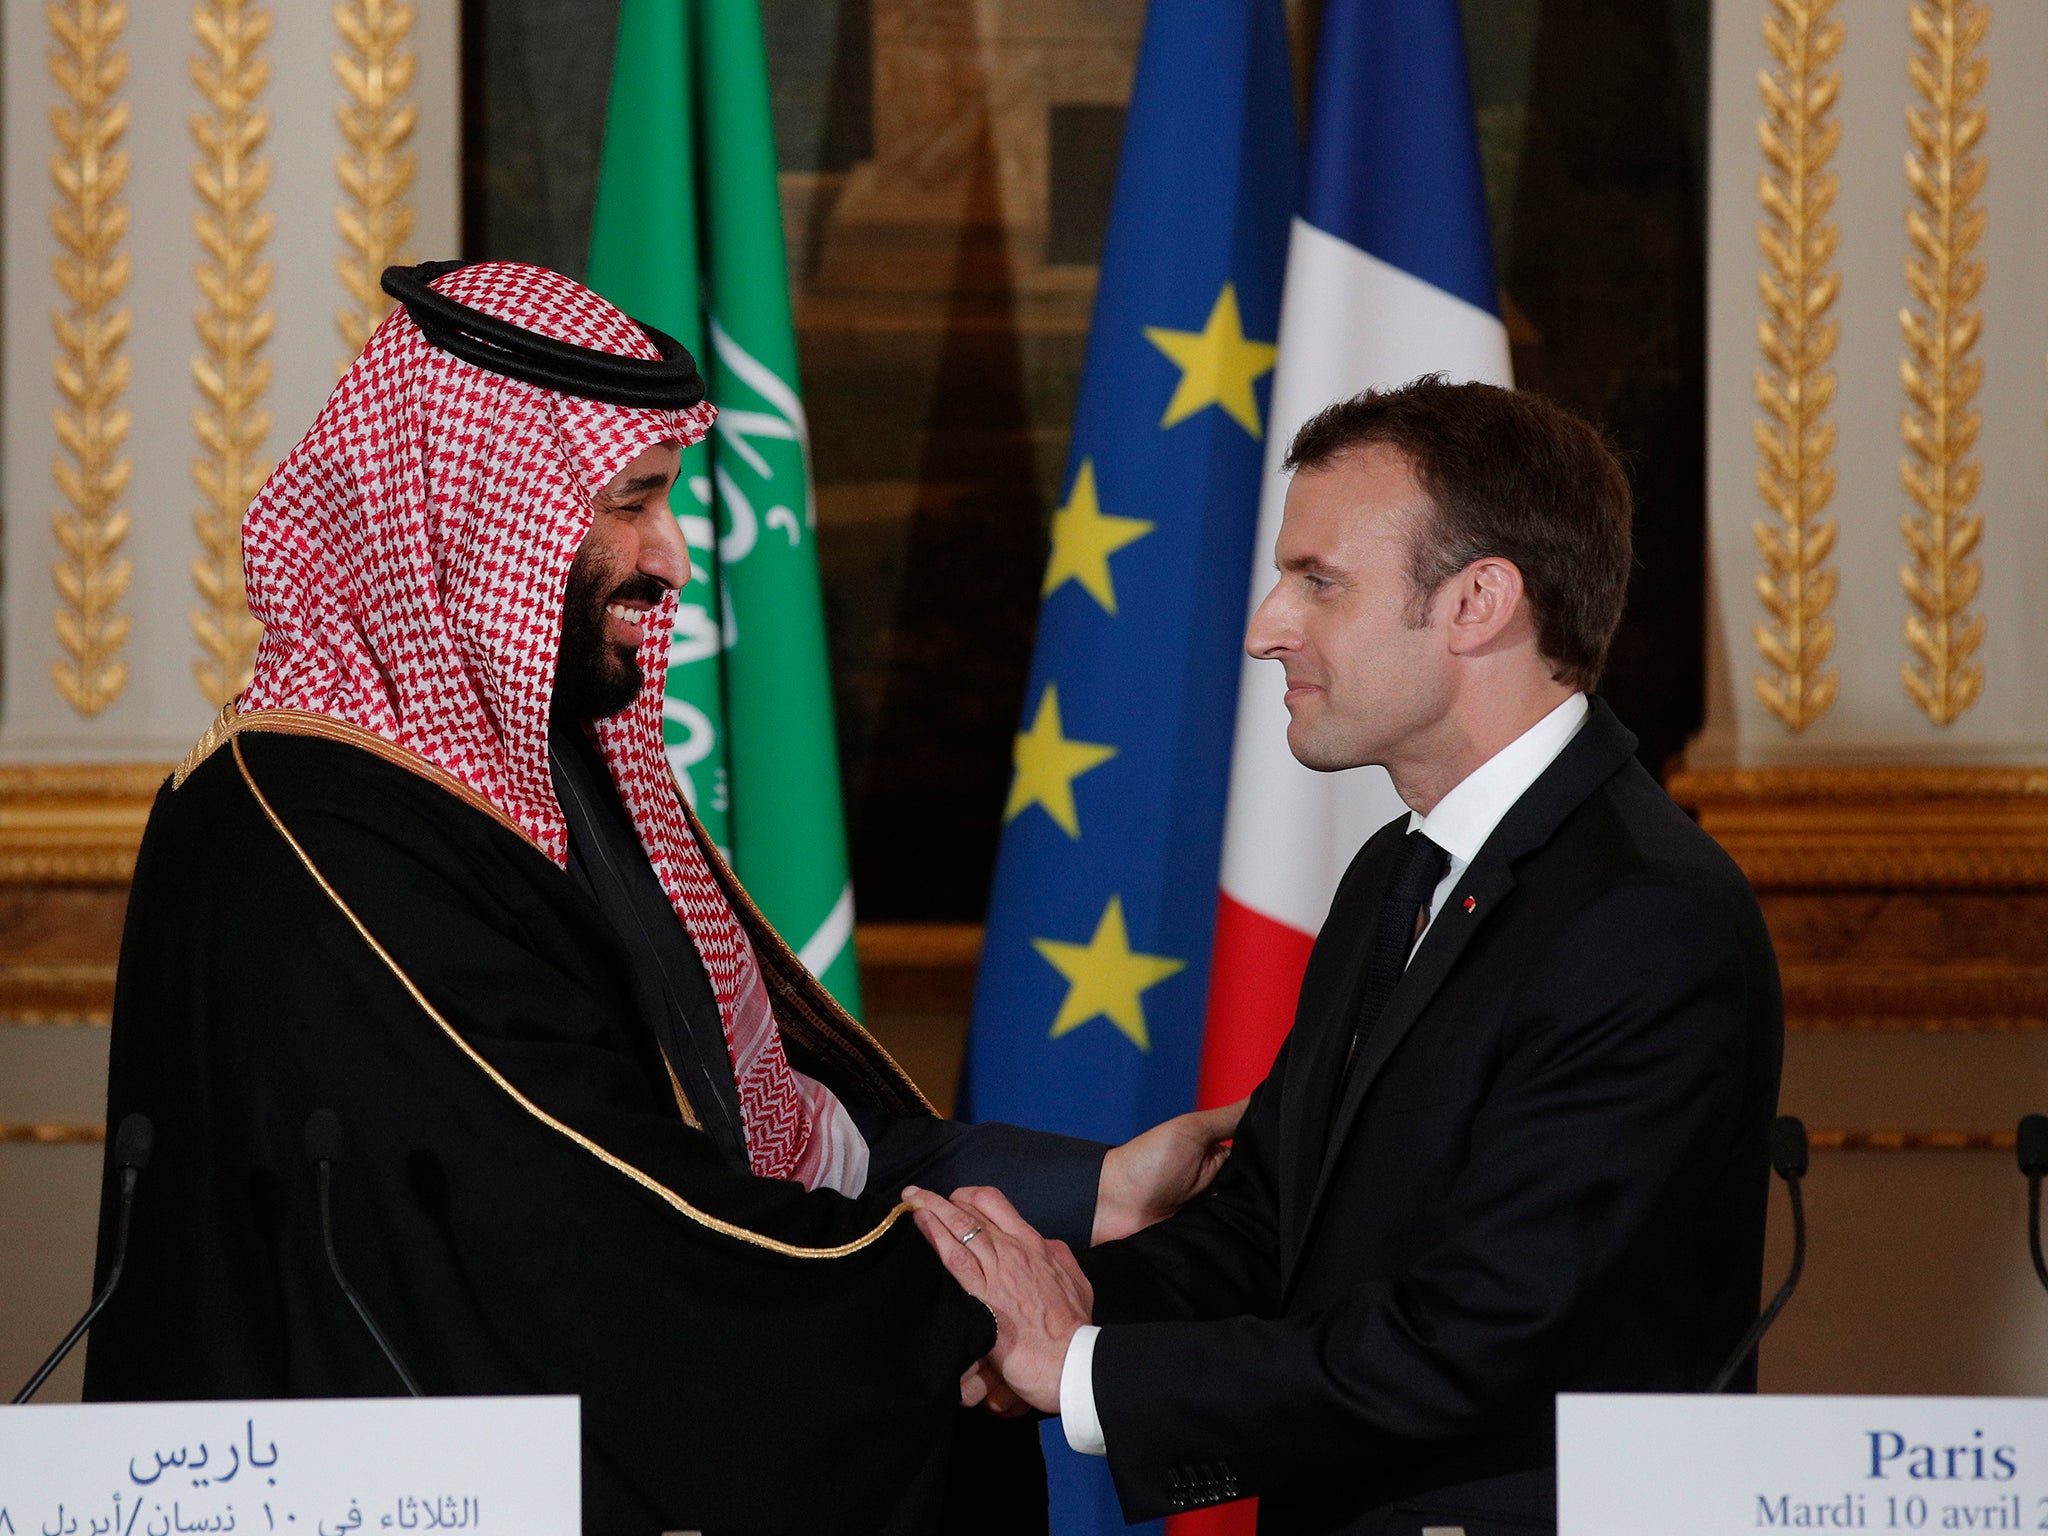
1547 1173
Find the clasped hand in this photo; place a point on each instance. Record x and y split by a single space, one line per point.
1033 1285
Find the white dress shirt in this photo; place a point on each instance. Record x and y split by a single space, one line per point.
1465 818
1459 824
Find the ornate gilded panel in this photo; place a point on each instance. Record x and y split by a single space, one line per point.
1795 435
376 66
231 177
1945 224
91 368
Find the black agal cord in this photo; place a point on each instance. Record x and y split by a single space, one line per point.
671 384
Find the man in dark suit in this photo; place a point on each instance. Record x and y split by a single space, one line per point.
1516 1141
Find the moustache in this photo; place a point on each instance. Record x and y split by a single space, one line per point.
640 588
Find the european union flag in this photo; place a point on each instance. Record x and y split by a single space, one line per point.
1088 1012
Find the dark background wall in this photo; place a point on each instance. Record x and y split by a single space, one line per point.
946 175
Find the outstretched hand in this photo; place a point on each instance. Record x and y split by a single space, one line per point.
982 1386
1033 1286
1151 1176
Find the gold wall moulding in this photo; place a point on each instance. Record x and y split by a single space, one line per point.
74 823
1795 436
56 993
1876 828
1899 900
376 68
91 366
1853 995
1910 1141
52 1135
918 945
231 176
1944 225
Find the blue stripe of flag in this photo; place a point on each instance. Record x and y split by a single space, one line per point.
1393 153
1204 196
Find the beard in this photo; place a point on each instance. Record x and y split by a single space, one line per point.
594 678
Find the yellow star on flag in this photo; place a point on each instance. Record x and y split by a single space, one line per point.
1106 978
1048 763
1083 539
1217 365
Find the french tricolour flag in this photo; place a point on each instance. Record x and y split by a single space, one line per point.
1389 276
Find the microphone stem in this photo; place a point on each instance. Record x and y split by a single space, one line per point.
1798 1251
2034 1225
35 1382
325 1170
1757 1329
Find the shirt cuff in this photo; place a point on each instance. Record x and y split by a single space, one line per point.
1077 1394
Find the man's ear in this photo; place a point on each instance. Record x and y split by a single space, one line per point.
1490 606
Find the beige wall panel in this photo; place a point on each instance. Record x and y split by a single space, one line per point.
1931 1081
1917 1276
49 1196
53 1074
49 1204
1917 1279
1873 720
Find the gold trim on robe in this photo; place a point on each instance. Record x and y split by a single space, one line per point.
618 1164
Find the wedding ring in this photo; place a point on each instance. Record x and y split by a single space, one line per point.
971 1234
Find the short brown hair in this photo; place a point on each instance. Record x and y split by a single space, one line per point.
1510 476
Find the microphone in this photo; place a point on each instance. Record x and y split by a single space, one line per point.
132 1143
2032 1145
1788 1160
323 1151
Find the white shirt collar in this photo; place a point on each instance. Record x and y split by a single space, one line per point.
1466 817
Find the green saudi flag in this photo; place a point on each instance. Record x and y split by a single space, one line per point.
688 237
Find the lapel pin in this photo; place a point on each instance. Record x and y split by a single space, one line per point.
1471 903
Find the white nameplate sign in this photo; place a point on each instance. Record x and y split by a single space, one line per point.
1716 1466
501 1466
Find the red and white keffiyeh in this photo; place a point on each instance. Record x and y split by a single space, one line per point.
407 561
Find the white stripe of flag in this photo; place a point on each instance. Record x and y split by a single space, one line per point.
1348 322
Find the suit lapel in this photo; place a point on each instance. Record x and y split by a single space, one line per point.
1602 746
1323 1038
1487 881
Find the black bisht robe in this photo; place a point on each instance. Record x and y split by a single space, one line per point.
519 1204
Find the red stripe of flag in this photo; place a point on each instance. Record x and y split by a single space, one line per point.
1239 1519
1255 972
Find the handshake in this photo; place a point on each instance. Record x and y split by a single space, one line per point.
1033 1285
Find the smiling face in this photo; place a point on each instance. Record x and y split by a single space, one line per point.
1370 674
632 557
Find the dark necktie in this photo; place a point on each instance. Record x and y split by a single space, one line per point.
1416 873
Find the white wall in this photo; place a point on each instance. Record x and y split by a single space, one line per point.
162 712
1873 719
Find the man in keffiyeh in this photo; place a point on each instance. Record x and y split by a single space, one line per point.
432 873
